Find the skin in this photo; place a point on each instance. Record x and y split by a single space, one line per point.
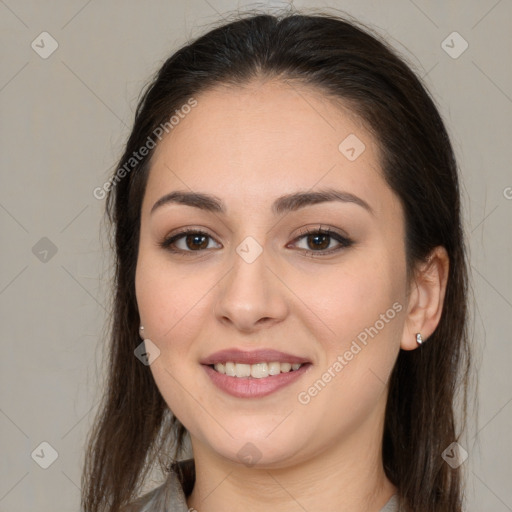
248 146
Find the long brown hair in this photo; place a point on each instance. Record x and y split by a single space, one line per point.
345 61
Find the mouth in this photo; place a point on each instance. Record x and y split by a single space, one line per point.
255 371
253 357
253 374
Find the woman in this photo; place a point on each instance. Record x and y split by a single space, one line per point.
289 247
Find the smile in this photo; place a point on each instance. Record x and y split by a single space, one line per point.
256 371
243 384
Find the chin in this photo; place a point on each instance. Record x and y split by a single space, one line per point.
259 447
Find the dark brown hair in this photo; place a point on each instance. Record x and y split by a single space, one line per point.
345 61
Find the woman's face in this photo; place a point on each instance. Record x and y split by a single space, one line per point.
253 281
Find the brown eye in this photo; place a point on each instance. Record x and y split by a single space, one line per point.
187 241
196 242
320 242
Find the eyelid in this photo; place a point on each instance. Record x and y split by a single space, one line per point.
172 238
320 228
343 240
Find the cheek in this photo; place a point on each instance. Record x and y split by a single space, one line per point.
363 308
359 318
171 311
172 303
152 301
350 297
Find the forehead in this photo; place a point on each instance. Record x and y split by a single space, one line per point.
251 144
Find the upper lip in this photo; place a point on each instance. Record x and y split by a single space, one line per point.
252 357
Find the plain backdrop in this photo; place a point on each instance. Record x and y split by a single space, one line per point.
64 118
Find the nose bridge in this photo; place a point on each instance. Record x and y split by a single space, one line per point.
250 293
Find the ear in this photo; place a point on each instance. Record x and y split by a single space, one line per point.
426 298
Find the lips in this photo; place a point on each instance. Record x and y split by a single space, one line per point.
258 386
252 357
254 388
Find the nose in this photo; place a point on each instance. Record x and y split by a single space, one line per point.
251 297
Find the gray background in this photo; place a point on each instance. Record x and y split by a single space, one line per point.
63 123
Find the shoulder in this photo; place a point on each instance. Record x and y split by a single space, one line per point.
146 502
392 505
170 496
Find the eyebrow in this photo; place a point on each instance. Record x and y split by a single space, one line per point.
286 203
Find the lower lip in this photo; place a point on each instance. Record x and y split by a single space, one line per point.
246 387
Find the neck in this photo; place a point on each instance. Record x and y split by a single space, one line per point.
343 478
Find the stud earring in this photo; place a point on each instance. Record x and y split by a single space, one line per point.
419 339
141 331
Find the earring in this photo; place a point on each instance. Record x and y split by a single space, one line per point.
419 339
141 331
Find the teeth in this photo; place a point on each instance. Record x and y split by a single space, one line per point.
256 371
286 367
274 368
260 370
243 370
229 369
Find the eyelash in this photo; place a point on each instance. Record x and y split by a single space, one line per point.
344 242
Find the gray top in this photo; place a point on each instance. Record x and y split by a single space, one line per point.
171 495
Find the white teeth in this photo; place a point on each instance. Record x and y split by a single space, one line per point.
256 371
259 370
243 370
274 368
230 369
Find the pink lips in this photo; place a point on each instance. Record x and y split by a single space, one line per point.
248 387
252 357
